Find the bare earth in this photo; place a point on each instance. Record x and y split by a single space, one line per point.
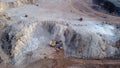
81 8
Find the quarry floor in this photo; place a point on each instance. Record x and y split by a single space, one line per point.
62 62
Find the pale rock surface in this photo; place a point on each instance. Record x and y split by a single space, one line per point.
25 39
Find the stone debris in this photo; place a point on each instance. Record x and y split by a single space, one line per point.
27 26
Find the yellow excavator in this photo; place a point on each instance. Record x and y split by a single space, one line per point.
57 44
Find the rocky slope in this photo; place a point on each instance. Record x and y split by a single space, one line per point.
27 26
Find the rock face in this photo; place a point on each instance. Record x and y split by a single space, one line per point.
4 4
92 41
83 40
25 35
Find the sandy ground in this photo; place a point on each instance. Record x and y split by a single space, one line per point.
62 62
85 8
